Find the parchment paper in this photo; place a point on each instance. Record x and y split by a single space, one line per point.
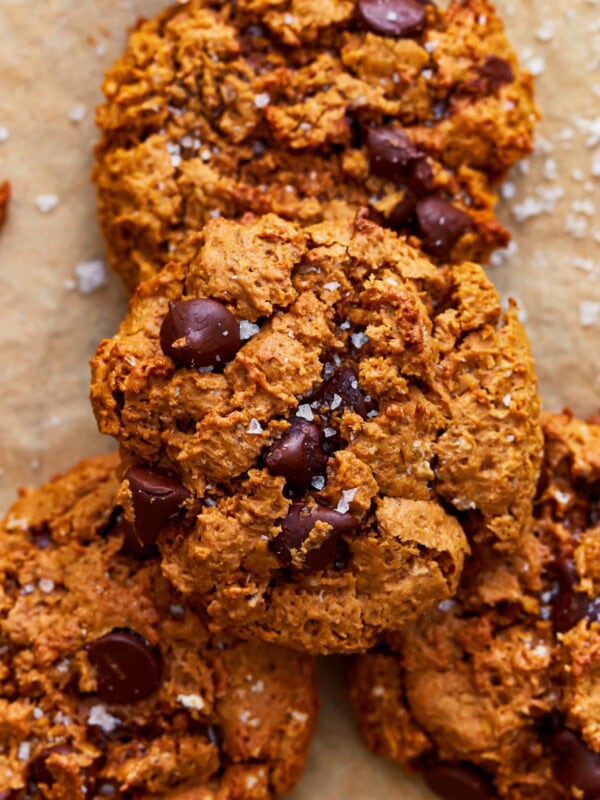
52 54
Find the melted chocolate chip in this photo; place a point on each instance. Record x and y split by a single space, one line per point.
341 391
200 333
496 72
458 782
392 17
298 455
156 497
403 213
127 668
576 765
39 772
295 530
440 225
570 606
392 154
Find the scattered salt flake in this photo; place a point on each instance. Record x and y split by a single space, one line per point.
359 339
46 203
251 781
299 716
549 171
545 33
24 751
589 313
446 605
77 113
248 329
348 496
541 650
258 687
577 175
254 427
329 432
373 413
336 402
530 207
585 207
262 100
176 610
378 691
191 701
91 275
576 226
507 400
318 482
37 713
289 19
562 497
508 190
100 718
587 265
27 589
4 135
305 412
536 65
16 523
596 164
46 585
331 286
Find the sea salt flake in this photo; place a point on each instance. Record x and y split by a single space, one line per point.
254 427
329 432
378 691
100 718
299 716
248 329
318 482
507 400
46 203
589 313
91 275
251 781
46 585
77 113
4 135
331 286
191 701
305 412
24 751
336 402
359 339
262 100
348 496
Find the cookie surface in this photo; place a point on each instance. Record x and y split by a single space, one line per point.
110 683
363 408
304 108
495 693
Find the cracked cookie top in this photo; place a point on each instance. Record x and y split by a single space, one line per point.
494 695
327 412
309 110
111 684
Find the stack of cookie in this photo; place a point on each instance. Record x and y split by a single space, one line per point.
330 434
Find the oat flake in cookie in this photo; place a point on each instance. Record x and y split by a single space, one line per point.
111 684
306 107
495 694
373 408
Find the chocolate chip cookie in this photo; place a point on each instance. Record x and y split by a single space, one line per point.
495 693
111 684
307 107
329 412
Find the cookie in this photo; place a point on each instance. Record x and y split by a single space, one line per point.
339 410
494 695
5 190
111 684
309 110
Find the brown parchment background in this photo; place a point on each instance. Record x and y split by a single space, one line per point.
52 54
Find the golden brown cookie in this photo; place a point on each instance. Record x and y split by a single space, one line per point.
111 684
338 408
495 694
303 107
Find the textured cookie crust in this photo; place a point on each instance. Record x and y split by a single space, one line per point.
500 686
218 108
224 720
441 434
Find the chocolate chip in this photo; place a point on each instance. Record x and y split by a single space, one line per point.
570 606
296 528
392 154
403 213
497 72
298 455
200 333
576 765
392 17
156 497
127 668
440 225
341 391
39 772
458 782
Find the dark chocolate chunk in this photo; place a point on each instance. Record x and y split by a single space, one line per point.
127 668
298 455
458 782
497 72
392 154
297 526
576 765
200 333
341 391
570 606
440 225
156 496
392 17
403 213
